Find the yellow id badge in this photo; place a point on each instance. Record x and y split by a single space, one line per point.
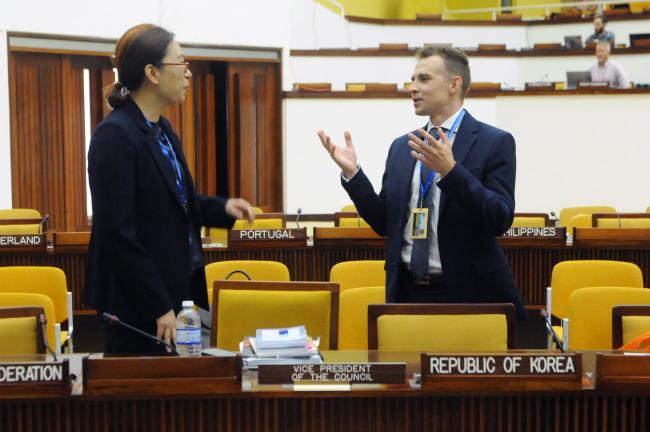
419 223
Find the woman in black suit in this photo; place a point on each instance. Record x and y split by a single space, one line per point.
145 253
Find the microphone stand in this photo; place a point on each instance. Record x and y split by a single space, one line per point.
42 321
115 320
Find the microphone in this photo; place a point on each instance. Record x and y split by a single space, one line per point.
554 218
544 77
358 220
299 211
42 321
113 319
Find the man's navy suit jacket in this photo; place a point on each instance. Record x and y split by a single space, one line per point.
476 205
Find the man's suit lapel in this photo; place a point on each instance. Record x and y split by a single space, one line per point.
406 167
154 148
465 139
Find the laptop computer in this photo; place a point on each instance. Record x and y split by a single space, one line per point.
572 42
640 39
573 78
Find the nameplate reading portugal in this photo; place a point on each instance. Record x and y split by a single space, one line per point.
35 379
353 373
260 237
35 241
550 369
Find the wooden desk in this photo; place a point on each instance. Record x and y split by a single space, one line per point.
530 261
391 408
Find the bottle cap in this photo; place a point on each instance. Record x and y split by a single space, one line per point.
188 303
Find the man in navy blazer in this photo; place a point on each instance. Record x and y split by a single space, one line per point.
459 174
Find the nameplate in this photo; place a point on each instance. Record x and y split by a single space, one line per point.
354 373
536 232
271 236
35 379
593 84
35 241
502 370
540 86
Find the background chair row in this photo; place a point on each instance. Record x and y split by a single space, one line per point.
582 295
49 282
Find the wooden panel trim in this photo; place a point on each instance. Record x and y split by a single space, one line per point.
377 310
468 23
65 44
524 52
403 94
333 288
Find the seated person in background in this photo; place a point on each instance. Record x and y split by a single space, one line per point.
606 69
600 34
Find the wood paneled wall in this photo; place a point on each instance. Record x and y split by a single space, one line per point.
47 137
255 142
315 412
231 134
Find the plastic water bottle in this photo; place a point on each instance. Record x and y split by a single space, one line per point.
188 331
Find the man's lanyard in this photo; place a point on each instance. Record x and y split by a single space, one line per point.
166 147
432 174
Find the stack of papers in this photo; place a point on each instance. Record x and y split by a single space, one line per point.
280 347
291 337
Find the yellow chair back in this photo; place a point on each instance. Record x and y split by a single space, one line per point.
353 315
257 210
36 300
635 326
20 213
441 327
240 312
566 214
590 314
346 222
624 223
528 222
568 276
647 210
20 325
455 333
578 221
49 281
259 224
349 208
257 270
354 274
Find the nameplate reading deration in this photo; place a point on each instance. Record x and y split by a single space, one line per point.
353 373
502 368
22 241
34 379
261 236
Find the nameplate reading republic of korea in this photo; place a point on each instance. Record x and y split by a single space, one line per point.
22 241
503 369
260 236
38 378
353 373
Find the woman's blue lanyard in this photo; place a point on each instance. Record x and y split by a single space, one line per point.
432 174
166 147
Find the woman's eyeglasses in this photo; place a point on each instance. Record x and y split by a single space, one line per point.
185 64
